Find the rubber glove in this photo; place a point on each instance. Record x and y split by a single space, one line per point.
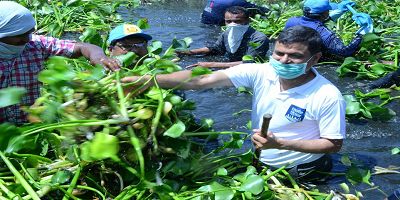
365 21
338 9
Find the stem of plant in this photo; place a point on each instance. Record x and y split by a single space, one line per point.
20 178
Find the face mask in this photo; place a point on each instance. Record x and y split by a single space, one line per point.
288 71
235 35
9 51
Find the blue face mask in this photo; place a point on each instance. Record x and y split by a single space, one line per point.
8 51
288 71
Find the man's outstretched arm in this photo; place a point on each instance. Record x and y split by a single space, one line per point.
184 80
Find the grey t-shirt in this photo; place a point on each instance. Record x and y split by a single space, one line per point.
254 43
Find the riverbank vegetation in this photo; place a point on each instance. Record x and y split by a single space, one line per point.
91 140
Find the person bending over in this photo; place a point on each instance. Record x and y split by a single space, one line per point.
128 38
22 56
315 14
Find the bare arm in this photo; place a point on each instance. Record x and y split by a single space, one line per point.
95 54
184 80
322 145
216 64
203 50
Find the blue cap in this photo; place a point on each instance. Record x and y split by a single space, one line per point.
319 6
125 30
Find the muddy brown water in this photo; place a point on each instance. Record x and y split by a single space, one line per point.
368 142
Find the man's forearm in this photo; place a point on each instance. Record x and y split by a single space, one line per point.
90 51
312 146
203 50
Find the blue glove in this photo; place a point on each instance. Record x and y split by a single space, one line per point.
338 9
343 5
365 21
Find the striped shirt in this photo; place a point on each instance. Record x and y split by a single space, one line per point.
23 71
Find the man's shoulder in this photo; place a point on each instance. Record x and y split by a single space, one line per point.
326 88
257 34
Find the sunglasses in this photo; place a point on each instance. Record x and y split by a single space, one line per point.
134 46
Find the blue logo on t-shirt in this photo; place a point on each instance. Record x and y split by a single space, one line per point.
295 114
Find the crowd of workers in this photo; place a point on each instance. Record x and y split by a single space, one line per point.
308 110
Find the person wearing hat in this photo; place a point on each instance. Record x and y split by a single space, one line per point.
128 38
23 55
238 40
315 14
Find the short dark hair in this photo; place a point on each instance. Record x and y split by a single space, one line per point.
301 34
237 10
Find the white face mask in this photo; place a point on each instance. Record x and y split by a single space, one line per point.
235 35
9 51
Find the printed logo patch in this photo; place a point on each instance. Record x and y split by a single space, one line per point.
130 29
295 114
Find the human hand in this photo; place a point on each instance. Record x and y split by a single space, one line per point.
365 21
343 5
340 9
110 63
183 52
201 64
261 142
135 84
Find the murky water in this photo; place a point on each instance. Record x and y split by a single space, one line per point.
369 142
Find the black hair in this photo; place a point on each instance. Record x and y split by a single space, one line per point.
301 34
237 10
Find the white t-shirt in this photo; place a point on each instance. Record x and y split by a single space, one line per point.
310 111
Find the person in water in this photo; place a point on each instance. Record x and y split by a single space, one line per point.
308 111
23 55
238 40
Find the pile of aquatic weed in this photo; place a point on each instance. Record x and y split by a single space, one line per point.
92 138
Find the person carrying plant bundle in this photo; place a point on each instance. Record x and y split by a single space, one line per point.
214 11
23 54
128 38
308 111
317 12
238 40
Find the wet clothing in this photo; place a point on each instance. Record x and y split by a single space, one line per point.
332 43
246 48
310 111
214 11
390 79
23 72
395 195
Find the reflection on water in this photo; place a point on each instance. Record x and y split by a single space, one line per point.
370 141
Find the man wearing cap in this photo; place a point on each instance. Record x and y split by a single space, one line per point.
128 38
23 54
316 13
238 40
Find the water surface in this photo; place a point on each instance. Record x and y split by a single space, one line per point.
368 142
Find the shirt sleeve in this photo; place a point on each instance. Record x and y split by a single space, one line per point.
332 122
258 45
244 74
335 45
56 47
218 47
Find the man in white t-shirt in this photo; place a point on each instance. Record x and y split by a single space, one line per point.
308 111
